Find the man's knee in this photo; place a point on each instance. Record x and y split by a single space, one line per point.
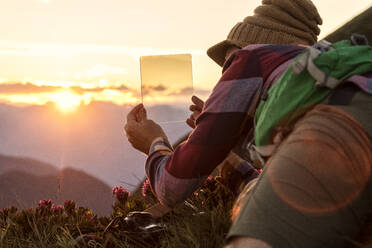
324 164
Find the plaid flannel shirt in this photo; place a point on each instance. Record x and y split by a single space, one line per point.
176 174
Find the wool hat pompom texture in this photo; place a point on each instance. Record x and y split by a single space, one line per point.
273 22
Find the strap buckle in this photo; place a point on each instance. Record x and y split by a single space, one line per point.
359 40
306 61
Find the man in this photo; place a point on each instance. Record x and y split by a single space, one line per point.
313 191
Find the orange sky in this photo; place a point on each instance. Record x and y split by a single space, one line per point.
85 50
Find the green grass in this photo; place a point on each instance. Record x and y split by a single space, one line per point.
203 225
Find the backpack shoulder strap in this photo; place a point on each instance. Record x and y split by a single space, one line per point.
307 62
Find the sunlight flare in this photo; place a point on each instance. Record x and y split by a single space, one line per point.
66 101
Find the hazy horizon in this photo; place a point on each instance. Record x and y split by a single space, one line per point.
90 139
72 52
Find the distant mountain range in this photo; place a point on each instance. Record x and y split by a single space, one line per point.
27 165
23 182
90 140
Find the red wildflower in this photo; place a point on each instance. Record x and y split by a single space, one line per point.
5 211
146 188
45 204
57 209
120 193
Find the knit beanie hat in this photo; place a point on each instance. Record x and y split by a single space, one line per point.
273 22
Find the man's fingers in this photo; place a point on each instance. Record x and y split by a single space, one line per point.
190 122
141 115
195 108
132 115
195 115
126 128
129 127
197 101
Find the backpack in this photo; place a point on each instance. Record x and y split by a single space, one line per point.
306 82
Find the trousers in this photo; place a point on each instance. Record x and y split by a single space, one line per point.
316 189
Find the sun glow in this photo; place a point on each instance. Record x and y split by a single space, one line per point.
66 101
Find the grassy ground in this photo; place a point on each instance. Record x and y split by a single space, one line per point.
203 222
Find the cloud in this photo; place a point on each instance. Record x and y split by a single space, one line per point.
163 90
202 92
80 90
31 94
185 91
120 88
30 88
182 92
159 88
149 89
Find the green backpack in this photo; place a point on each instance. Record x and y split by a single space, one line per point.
306 82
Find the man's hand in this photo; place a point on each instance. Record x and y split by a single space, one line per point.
196 109
140 131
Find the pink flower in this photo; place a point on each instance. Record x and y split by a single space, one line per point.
120 193
45 204
57 209
5 211
209 180
146 188
210 184
259 170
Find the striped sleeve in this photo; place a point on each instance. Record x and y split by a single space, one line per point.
174 175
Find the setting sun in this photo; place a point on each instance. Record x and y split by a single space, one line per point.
66 101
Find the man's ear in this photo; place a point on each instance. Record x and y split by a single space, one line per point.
227 63
229 56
